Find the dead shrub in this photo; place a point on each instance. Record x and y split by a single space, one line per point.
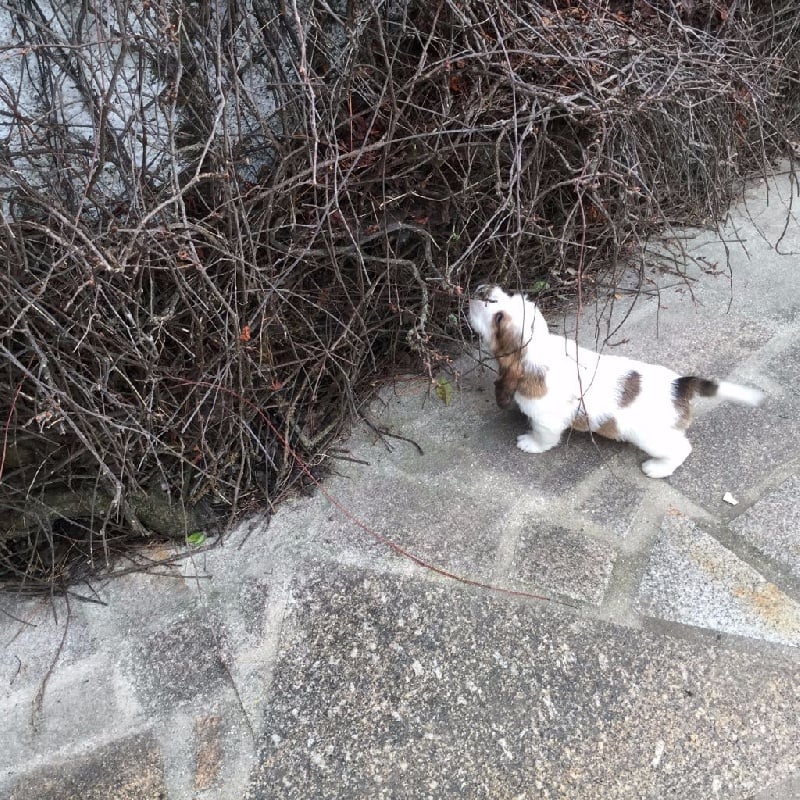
258 209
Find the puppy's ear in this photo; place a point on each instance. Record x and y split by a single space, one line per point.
505 386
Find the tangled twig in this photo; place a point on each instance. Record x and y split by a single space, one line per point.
201 202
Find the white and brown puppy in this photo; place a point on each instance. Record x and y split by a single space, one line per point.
559 385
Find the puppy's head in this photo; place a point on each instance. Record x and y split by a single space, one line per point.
508 326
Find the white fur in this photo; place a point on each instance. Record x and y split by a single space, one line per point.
743 395
582 382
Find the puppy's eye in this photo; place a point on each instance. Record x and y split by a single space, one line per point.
499 317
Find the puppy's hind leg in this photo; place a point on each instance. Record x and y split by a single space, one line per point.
668 448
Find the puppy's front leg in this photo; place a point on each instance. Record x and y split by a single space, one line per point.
540 439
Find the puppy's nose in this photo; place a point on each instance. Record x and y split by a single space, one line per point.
483 291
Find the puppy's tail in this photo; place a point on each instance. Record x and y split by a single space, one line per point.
743 395
684 389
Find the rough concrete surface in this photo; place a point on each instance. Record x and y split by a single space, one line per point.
615 637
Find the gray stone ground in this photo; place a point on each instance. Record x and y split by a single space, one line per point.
305 659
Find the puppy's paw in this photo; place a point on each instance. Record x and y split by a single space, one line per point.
659 467
528 443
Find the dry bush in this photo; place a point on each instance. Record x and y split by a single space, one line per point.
263 206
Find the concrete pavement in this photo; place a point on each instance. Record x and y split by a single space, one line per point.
306 659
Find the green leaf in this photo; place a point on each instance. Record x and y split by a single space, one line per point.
540 286
444 390
196 538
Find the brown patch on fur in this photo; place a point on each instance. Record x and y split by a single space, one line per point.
509 350
580 423
683 391
684 410
607 429
630 386
533 385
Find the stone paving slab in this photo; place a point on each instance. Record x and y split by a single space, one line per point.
392 688
772 524
695 580
128 769
693 340
46 722
486 458
735 449
615 504
563 560
416 511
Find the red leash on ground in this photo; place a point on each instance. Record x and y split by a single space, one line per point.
383 539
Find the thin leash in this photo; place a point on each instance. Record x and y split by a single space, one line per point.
377 535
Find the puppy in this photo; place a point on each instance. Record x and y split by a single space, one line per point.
559 385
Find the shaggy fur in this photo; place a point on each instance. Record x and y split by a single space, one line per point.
559 385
